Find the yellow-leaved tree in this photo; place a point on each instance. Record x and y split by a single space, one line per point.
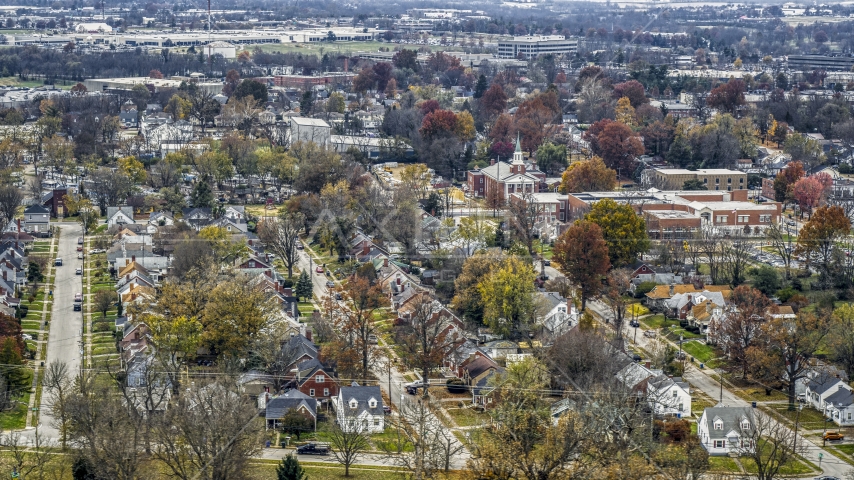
507 295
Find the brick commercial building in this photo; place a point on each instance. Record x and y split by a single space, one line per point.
501 179
712 178
727 212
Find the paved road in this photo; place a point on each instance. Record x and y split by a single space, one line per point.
66 325
318 279
700 380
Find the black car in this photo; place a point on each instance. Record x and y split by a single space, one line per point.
634 323
411 390
547 263
313 449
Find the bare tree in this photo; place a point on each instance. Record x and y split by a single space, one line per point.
525 213
209 434
58 384
34 187
771 445
30 459
423 445
427 334
782 243
619 281
11 198
349 442
281 235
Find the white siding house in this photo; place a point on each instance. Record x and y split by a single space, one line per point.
726 430
360 408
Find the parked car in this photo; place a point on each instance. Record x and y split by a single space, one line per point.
832 436
79 248
680 356
826 478
299 246
634 323
57 262
547 263
330 284
97 250
802 397
319 269
79 240
313 449
338 296
649 334
78 271
372 339
80 256
386 410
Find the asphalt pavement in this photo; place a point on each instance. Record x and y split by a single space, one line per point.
66 326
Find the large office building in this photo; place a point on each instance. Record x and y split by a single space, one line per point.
712 178
531 46
819 62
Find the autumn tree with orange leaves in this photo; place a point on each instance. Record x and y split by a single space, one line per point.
361 306
586 176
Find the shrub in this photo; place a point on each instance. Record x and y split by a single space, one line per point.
455 385
644 288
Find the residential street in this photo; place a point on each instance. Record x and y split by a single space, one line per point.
700 380
66 325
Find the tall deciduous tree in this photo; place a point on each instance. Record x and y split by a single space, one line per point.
551 158
362 303
742 328
349 441
616 143
236 311
588 175
582 255
524 215
727 97
507 293
624 231
282 235
821 234
808 192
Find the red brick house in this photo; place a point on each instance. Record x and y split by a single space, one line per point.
502 178
314 380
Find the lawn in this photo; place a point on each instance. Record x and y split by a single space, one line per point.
334 472
702 352
389 440
103 349
637 310
658 321
846 449
809 418
799 468
723 464
16 418
466 417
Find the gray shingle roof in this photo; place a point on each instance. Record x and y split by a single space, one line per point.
841 398
362 395
279 406
822 384
731 418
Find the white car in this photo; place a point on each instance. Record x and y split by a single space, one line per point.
97 250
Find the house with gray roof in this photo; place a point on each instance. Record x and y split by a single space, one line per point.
821 388
36 218
839 407
726 430
360 408
276 408
122 214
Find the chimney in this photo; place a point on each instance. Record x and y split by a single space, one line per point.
672 289
648 364
492 161
346 64
398 280
366 248
288 292
133 258
308 334
385 262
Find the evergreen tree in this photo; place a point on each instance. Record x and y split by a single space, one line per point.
306 102
290 469
202 197
498 239
34 272
304 288
481 86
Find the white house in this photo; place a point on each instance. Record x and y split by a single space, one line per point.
820 388
120 215
667 395
309 130
726 430
839 407
562 316
36 218
359 408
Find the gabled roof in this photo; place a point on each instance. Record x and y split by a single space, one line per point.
278 407
362 395
842 398
663 291
123 209
821 385
299 346
480 365
132 266
731 417
36 208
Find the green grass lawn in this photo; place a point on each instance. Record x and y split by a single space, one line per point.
335 472
703 353
809 418
658 321
723 464
466 417
101 349
676 331
798 468
16 418
388 441
846 449
31 325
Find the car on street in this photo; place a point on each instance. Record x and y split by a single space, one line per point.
826 478
547 263
373 340
833 436
299 246
634 323
97 250
791 223
78 271
319 269
79 240
57 262
386 410
80 256
330 284
313 449
649 334
680 356
338 296
79 248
